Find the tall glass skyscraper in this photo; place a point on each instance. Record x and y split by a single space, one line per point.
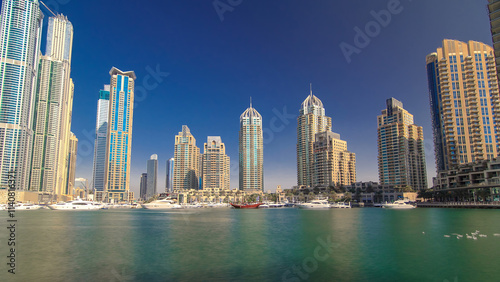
169 181
52 111
311 121
251 151
101 132
464 98
20 35
401 156
119 138
152 176
143 186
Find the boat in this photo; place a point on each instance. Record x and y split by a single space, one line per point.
341 205
316 204
26 206
246 206
163 204
77 204
276 205
264 206
399 205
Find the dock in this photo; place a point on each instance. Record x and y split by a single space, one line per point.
460 205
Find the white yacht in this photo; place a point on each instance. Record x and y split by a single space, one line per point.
77 204
399 204
315 204
163 204
341 205
27 206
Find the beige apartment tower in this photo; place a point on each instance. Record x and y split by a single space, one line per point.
311 121
251 151
215 164
463 93
187 161
334 165
401 157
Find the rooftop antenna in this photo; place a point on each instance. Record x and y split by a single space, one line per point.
48 9
250 101
311 87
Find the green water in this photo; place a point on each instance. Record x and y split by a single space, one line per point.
368 244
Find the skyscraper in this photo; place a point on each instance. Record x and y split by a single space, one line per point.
20 36
143 187
71 164
169 181
251 152
334 165
52 111
152 176
119 136
311 120
401 156
463 93
494 9
101 132
187 161
215 164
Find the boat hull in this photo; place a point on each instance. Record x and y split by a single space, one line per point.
253 206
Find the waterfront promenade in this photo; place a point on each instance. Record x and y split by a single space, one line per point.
460 205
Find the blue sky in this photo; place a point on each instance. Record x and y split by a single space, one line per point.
267 50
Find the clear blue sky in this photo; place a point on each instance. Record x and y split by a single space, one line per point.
267 50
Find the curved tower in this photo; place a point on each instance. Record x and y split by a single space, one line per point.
251 154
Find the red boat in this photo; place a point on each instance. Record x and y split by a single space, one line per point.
246 206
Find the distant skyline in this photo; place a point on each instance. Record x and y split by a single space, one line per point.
194 69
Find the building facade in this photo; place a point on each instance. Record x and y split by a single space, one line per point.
311 120
152 176
494 10
119 136
143 187
401 156
187 161
20 37
463 92
334 165
215 164
71 164
53 105
251 151
101 132
169 181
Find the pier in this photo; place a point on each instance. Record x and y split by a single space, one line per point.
460 205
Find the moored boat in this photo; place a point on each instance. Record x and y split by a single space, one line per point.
246 206
315 204
399 205
77 204
163 204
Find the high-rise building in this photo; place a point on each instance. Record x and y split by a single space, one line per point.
143 187
20 37
401 156
334 165
187 161
494 9
152 176
53 105
463 93
71 164
311 121
119 136
215 164
101 132
169 181
251 151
